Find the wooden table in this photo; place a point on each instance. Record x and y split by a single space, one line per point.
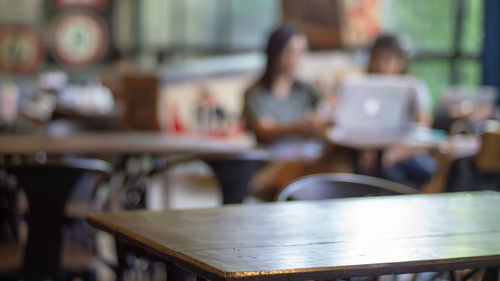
320 239
217 152
416 141
228 158
422 138
117 143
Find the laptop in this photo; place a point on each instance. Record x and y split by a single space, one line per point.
373 109
465 103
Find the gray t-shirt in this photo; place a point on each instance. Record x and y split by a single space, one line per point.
260 102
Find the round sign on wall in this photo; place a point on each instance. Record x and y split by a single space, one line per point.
21 49
79 39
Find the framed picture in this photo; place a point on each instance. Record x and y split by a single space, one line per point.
319 19
79 39
21 49
336 23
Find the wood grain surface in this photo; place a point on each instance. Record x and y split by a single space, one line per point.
320 239
112 143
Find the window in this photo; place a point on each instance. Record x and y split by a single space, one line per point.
446 36
207 26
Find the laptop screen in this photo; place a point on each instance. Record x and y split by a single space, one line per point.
374 103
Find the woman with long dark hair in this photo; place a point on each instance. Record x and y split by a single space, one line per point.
389 57
280 106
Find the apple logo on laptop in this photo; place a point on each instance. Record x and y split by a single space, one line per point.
371 106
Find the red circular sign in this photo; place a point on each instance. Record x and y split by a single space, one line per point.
21 49
79 39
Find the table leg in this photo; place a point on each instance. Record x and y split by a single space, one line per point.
353 154
491 274
174 273
47 192
377 171
234 177
452 275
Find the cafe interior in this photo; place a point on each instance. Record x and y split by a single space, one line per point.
249 140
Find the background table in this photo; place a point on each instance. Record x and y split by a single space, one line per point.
123 146
228 157
418 137
321 239
417 140
113 143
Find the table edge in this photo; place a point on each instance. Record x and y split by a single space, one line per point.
130 237
198 267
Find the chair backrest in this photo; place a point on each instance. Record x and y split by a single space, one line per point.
326 186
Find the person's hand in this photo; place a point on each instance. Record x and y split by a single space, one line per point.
324 85
317 125
267 122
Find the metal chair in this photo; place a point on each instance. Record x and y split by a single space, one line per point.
477 172
339 185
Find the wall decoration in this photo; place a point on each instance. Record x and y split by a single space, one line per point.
319 19
79 39
361 22
21 49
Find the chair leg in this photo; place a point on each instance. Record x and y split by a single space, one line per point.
13 219
122 261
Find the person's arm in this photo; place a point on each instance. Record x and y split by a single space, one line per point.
424 118
423 100
267 130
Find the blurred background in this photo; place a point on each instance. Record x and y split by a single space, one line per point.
89 42
182 67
